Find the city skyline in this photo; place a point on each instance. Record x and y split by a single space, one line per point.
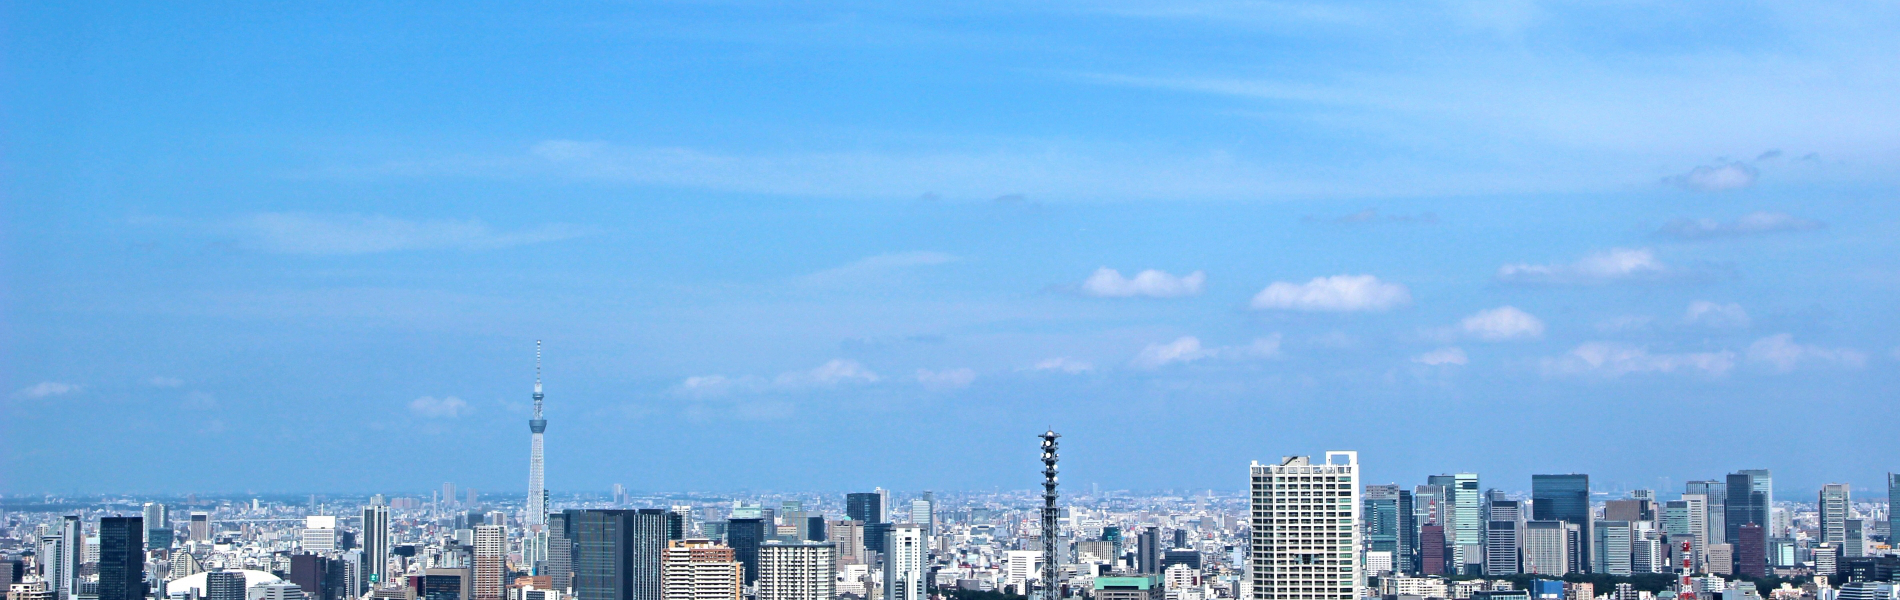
845 244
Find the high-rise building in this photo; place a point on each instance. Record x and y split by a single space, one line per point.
53 570
1714 504
224 584
1855 544
802 571
905 558
1387 525
700 569
535 537
745 536
1566 498
864 507
1751 551
1632 510
923 514
848 535
560 563
121 558
158 526
1428 508
319 535
1611 548
1431 550
200 527
1467 523
1148 552
1503 527
1835 506
1546 548
1305 525
310 572
491 552
1751 493
1893 507
1688 516
376 545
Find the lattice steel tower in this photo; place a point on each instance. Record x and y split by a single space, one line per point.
1051 532
537 487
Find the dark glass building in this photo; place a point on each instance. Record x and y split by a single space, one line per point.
221 584
1148 551
745 536
122 558
617 553
1565 498
1750 497
864 507
815 527
876 536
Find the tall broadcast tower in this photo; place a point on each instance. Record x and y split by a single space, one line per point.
537 517
1050 529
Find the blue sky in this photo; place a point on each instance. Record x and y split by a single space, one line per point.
834 246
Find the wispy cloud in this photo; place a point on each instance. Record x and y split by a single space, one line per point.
1449 355
874 266
344 234
1502 323
1611 359
48 389
1187 349
1718 177
1109 283
447 407
1063 364
1755 223
1781 353
947 379
1372 215
1339 293
833 372
1614 266
1717 315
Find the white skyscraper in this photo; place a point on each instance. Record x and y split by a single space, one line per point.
535 543
802 571
319 534
904 563
1306 529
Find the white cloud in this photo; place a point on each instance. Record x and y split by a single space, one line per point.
1064 364
1616 265
1710 314
165 382
876 266
449 407
47 389
1449 355
1754 223
1503 323
319 234
1188 349
947 378
704 386
1722 176
833 372
1109 283
1615 360
1183 349
1782 353
1339 293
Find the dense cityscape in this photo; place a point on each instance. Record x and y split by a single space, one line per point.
1307 529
